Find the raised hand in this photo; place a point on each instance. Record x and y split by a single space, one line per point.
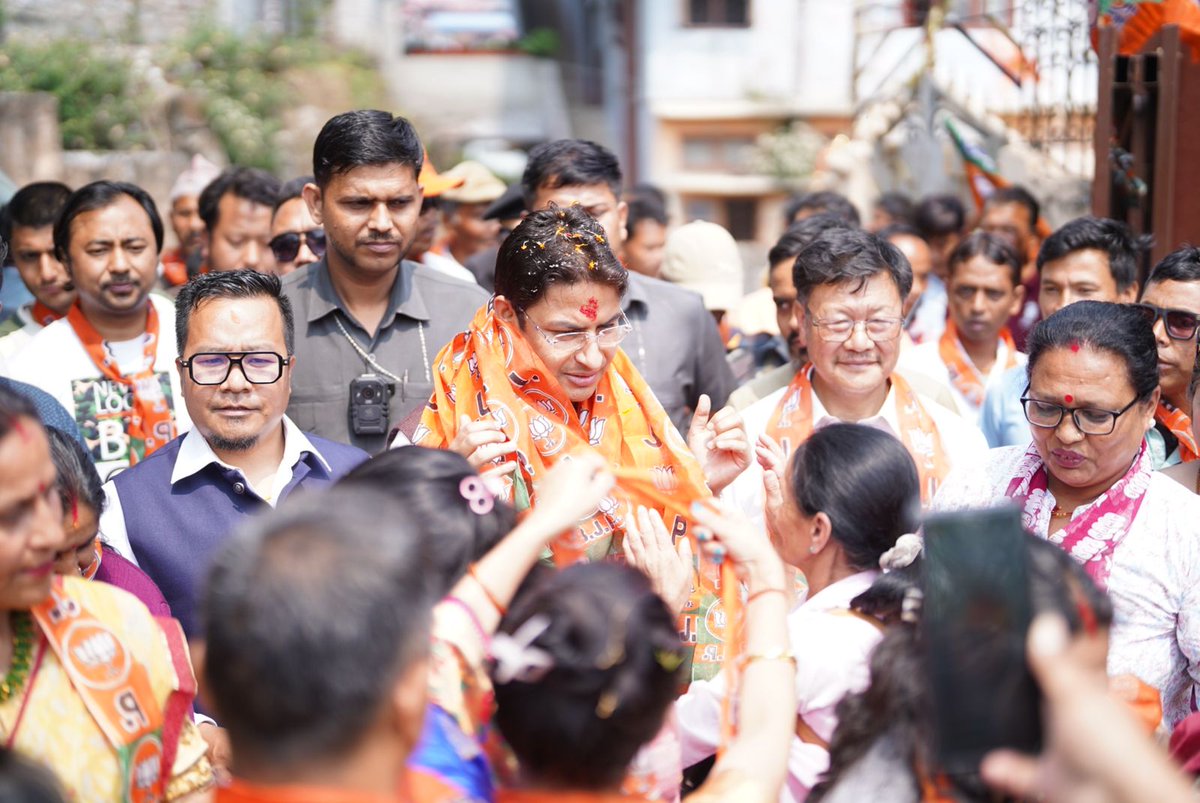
482 441
572 489
719 442
648 547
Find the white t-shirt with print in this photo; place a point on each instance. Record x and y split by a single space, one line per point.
56 361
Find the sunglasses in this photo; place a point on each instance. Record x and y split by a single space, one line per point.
286 246
1180 324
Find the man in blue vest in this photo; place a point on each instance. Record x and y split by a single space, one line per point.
172 511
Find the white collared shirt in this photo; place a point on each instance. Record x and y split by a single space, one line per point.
831 648
195 454
961 441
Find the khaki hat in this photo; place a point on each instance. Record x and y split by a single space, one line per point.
479 186
704 257
434 183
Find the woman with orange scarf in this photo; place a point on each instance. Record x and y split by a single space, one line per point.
539 376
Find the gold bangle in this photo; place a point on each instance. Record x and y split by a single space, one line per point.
777 654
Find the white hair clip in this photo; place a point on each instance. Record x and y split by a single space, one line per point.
906 550
515 656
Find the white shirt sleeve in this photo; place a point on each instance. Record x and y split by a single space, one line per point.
112 524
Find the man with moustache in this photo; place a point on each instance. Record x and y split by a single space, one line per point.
28 226
369 322
109 361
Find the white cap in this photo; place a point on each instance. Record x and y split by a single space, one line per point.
192 181
704 257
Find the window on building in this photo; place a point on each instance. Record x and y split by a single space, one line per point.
725 13
726 154
738 215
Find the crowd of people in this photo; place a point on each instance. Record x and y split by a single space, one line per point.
391 484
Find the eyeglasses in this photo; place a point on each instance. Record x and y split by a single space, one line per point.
606 336
1088 420
839 330
1179 323
213 368
287 245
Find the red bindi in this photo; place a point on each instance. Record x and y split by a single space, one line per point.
1075 346
1068 398
590 309
19 428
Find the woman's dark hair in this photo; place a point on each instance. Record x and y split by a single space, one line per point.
896 706
14 405
849 256
557 245
1119 329
613 678
99 195
428 483
78 481
995 249
865 481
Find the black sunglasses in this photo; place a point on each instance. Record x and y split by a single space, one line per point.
286 246
1179 323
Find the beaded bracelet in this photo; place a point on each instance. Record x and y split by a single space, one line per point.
500 609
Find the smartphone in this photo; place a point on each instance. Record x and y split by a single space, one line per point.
975 618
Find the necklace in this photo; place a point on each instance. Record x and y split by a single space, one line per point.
18 670
1058 513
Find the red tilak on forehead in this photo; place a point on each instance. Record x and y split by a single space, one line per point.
1068 398
1075 346
590 309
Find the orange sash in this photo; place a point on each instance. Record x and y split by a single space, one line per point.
239 791
491 370
114 687
150 424
792 422
963 373
43 315
1181 427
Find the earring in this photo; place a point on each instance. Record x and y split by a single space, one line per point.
812 550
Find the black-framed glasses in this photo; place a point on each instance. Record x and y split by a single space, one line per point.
214 367
607 336
1088 420
1179 323
286 246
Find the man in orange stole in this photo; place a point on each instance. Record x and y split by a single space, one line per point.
984 290
850 287
539 376
1171 301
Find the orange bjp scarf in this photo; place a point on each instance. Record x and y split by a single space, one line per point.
1180 425
791 424
963 373
491 370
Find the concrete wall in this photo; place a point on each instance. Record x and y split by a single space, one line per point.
30 141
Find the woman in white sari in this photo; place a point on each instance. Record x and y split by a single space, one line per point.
1086 484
